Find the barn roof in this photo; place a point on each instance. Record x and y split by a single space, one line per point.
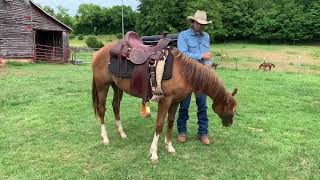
38 7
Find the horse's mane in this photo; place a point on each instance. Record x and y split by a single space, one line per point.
201 78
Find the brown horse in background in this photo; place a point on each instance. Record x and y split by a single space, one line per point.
266 65
187 76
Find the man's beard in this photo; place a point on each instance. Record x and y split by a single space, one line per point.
197 31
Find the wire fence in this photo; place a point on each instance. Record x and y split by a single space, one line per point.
82 55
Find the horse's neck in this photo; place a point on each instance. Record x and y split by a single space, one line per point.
198 79
213 87
217 93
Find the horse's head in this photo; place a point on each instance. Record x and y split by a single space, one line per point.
226 109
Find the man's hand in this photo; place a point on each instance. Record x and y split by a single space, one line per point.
207 56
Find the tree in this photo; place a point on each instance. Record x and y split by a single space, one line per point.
157 16
63 16
113 21
312 22
88 18
212 8
49 10
237 19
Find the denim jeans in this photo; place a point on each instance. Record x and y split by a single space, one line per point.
183 116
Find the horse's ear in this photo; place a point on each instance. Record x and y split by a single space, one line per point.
234 92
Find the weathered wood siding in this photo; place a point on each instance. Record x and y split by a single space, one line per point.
42 21
15 31
18 22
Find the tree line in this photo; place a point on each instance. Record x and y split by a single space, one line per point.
261 20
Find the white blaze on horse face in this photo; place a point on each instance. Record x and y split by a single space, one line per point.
120 129
154 147
104 135
169 146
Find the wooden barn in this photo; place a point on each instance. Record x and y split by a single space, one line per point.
29 33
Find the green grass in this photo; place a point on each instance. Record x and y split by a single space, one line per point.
316 53
48 130
266 47
81 43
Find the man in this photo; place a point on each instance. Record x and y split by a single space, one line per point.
195 43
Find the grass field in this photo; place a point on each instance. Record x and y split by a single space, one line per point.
287 58
48 130
246 56
75 42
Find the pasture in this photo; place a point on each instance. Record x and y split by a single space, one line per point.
48 129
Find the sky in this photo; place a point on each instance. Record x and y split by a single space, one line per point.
72 5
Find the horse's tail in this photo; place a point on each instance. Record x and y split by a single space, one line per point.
273 65
95 97
260 66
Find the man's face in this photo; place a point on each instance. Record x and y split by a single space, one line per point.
198 27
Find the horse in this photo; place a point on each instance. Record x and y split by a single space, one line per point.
187 76
266 65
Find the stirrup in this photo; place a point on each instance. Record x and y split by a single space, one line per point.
156 97
157 94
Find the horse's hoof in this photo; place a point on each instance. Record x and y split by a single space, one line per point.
124 137
154 160
105 142
171 151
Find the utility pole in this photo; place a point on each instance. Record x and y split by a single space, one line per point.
122 21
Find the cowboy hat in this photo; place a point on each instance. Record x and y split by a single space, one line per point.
200 17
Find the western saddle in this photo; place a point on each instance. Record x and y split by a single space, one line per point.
131 48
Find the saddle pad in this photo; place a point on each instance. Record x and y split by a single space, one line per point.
124 68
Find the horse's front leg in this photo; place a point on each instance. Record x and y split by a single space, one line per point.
117 96
163 108
171 118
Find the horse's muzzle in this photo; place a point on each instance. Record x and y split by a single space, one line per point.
227 120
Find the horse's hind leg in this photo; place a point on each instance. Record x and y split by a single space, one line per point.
171 116
117 96
145 109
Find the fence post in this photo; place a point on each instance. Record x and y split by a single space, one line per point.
300 62
236 59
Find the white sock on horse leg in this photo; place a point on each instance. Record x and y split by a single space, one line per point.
154 147
169 146
120 129
104 135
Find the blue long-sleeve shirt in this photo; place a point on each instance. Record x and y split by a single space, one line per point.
193 45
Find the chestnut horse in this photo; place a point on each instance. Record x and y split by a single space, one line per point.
187 76
266 65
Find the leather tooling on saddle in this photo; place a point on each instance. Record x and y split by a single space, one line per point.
130 58
125 68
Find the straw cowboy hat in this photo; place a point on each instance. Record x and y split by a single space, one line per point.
200 17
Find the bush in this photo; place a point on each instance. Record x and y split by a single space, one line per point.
80 37
119 36
72 36
93 42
